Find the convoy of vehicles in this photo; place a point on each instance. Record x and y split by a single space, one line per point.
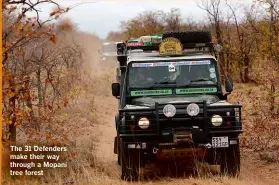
171 104
109 51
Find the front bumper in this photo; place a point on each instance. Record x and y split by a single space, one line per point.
176 151
156 145
167 133
162 127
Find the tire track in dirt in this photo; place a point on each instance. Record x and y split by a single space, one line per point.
105 154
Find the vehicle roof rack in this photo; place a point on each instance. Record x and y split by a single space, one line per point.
195 40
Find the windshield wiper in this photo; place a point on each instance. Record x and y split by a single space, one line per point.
165 82
200 80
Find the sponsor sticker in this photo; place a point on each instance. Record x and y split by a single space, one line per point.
170 46
143 145
171 68
195 90
199 62
151 92
131 146
180 63
142 64
138 146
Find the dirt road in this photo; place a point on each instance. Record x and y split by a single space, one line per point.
108 108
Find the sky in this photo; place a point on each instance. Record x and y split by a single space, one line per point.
102 16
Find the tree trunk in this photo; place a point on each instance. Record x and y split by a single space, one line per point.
34 121
12 115
12 119
272 98
39 87
220 41
241 71
246 62
44 96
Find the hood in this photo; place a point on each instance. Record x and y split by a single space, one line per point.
150 101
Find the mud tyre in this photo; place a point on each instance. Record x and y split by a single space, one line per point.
118 154
130 164
230 161
190 36
116 149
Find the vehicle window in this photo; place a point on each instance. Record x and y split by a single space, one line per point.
178 72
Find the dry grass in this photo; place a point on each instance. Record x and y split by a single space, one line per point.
259 125
89 177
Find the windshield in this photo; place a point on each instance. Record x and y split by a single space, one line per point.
109 48
150 74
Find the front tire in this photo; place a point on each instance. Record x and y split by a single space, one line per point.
118 154
116 149
230 161
131 163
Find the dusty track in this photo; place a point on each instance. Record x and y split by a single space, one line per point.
107 133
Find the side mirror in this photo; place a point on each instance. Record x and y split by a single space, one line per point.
120 48
122 60
115 89
229 85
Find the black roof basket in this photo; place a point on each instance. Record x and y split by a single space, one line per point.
200 40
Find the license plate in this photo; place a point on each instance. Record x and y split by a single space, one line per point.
220 142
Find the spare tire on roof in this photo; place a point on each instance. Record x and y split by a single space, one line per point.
190 36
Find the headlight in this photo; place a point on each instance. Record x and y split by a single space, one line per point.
193 109
216 120
169 110
143 123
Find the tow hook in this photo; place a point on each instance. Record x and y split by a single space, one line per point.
155 150
208 145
